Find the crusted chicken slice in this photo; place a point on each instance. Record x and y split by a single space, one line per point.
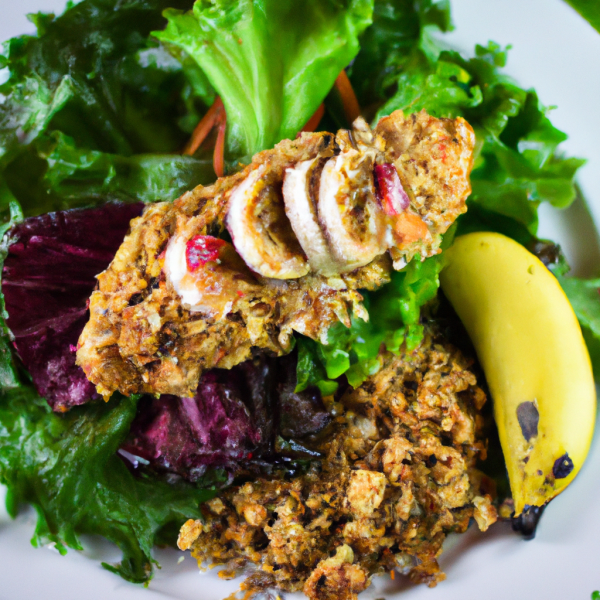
349 212
299 195
260 230
433 159
310 225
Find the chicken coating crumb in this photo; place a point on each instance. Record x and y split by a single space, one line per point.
337 578
397 475
432 161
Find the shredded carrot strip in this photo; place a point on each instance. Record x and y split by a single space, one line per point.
349 101
410 228
208 121
393 575
219 153
314 121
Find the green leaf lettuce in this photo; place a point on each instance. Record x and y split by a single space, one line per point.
272 61
67 467
88 100
584 296
589 10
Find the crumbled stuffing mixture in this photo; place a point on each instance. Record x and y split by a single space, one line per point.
397 475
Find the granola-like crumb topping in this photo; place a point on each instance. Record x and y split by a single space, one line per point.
397 475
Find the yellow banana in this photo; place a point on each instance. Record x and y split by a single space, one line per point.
535 360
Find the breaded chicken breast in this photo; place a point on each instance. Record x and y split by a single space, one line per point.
284 245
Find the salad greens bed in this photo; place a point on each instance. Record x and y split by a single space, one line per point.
98 106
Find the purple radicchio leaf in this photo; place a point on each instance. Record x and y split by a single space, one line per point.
233 421
236 418
300 413
48 275
223 425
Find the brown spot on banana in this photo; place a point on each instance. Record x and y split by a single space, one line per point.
528 417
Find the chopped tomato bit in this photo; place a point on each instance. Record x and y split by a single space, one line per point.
314 121
240 294
410 228
349 101
392 197
213 116
202 249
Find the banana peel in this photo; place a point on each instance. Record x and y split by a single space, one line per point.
535 360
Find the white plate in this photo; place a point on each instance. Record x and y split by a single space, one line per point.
556 52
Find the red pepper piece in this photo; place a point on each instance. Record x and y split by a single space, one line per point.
202 249
394 200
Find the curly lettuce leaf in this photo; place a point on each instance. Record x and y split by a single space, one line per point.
9 378
398 27
394 319
88 100
517 165
589 10
67 468
92 72
584 296
271 61
79 175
